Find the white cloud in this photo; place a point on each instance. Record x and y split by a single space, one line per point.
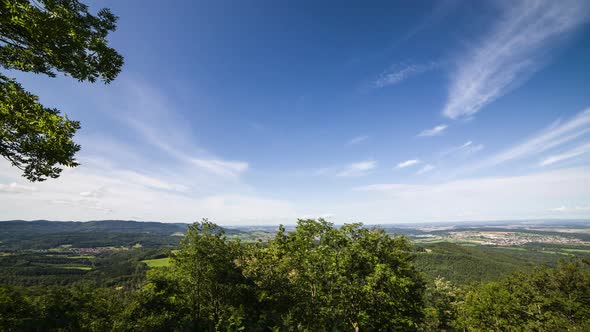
317 216
556 135
110 193
397 74
358 139
575 152
427 168
158 172
438 130
510 52
149 181
358 169
150 116
570 209
485 198
95 193
469 147
221 167
464 149
15 188
408 163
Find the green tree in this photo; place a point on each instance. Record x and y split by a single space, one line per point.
545 300
159 305
17 312
443 300
320 278
211 276
45 37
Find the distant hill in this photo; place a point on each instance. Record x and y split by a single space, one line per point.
44 234
101 226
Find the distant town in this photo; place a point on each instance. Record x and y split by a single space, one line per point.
499 238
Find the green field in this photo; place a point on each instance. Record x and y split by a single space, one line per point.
82 257
577 250
61 247
83 268
158 262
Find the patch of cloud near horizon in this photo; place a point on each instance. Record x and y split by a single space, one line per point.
358 169
510 53
436 131
564 208
398 73
481 198
90 193
16 188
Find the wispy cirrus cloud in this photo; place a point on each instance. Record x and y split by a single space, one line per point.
358 169
155 170
573 153
398 73
510 52
149 181
425 169
408 163
221 167
556 135
358 139
464 149
470 147
437 130
159 128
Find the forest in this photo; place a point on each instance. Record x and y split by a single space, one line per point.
315 277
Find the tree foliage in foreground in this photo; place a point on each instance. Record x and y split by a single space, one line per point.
323 278
545 300
45 37
315 278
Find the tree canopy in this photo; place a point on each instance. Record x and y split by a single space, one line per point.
46 37
316 277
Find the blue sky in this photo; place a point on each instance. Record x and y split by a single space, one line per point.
260 112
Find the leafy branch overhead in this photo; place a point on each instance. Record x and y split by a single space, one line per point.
34 138
45 37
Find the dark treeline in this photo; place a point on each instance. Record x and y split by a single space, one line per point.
41 234
117 268
21 227
316 278
465 264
